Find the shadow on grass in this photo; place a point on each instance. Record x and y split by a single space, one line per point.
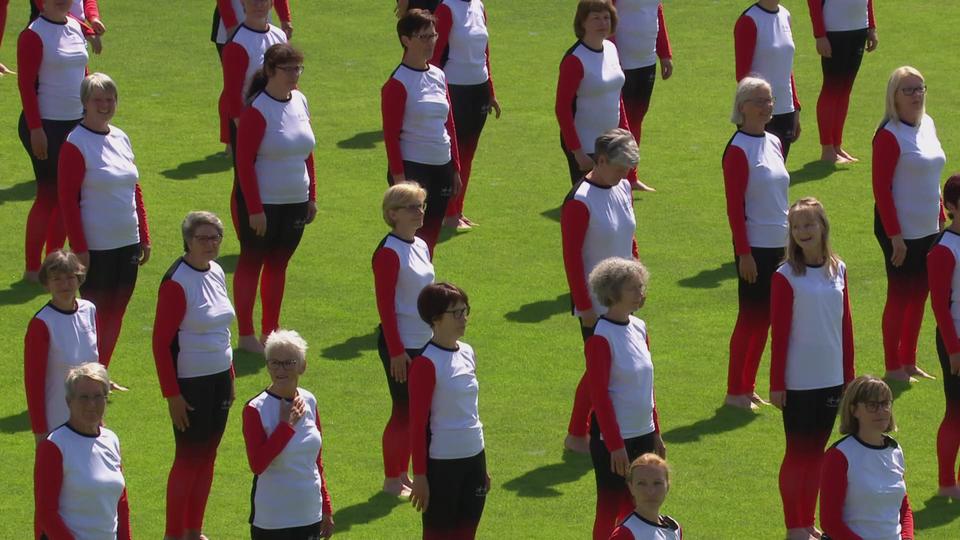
377 506
15 423
228 263
20 292
24 191
351 348
540 310
361 141
937 511
552 214
710 279
898 387
191 170
814 170
247 363
723 419
540 482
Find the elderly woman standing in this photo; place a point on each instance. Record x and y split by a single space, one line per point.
401 269
756 181
191 348
281 429
80 490
102 207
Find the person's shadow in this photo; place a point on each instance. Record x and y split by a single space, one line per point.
379 505
814 170
352 348
191 170
541 482
361 141
24 191
724 419
710 278
21 292
15 423
540 310
937 511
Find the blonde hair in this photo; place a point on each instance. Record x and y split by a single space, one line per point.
863 388
288 340
893 85
794 255
97 81
91 370
61 261
399 195
649 459
611 274
745 87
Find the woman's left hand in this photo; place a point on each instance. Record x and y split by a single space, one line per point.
144 254
494 106
666 68
457 185
872 40
955 364
659 448
287 28
619 462
796 126
326 526
420 493
97 26
311 211
487 483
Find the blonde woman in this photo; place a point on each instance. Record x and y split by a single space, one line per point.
649 483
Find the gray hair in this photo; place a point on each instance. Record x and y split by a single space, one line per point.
97 81
197 219
619 147
893 84
612 274
91 370
288 340
745 88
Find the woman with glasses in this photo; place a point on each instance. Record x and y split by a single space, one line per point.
78 481
418 132
862 491
450 480
908 215
763 46
276 196
194 359
755 181
401 269
284 440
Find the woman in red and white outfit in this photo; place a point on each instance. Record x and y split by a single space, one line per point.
284 440
755 181
62 335
401 269
843 29
85 11
78 476
450 480
276 194
418 127
463 53
641 40
194 360
52 60
811 359
596 222
944 278
907 163
649 483
863 495
228 15
588 100
102 207
763 46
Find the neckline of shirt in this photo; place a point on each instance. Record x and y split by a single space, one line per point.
441 347
761 136
888 442
668 523
411 68
255 30
91 130
64 23
194 268
404 240
58 310
765 10
589 48
618 323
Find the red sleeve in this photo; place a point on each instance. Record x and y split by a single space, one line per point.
663 39
744 45
283 10
886 154
906 519
621 533
849 371
48 480
36 347
29 56
735 176
227 15
599 360
171 308
452 133
91 10
571 73
123 516
235 62
793 91
3 18
833 495
249 136
871 19
386 269
574 219
421 380
261 449
312 175
141 215
781 319
393 100
816 17
487 55
623 123
444 23
941 265
327 506
656 413
71 170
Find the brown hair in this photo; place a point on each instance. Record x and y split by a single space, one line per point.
413 21
278 54
437 298
862 389
586 7
61 262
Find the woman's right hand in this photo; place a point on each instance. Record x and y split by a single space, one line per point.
748 268
398 178
398 367
258 222
420 493
38 143
292 411
619 462
823 47
899 250
588 318
778 399
583 160
178 408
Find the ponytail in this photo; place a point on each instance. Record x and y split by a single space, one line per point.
257 84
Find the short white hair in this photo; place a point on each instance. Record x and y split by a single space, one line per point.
619 147
91 370
287 340
612 274
745 89
97 81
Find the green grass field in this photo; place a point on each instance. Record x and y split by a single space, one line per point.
528 346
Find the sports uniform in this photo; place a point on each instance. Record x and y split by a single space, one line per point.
81 10
636 527
230 13
242 57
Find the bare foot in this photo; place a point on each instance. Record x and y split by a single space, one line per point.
637 185
250 344
843 153
468 221
580 445
828 154
4 70
815 532
918 373
405 480
757 400
899 375
953 492
740 402
798 534
115 386
451 222
228 151
463 225
192 534
32 277
396 487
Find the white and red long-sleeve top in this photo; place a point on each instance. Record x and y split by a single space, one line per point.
82 10
944 279
56 342
641 33
840 15
596 222
99 191
588 102
232 13
401 269
907 163
620 372
443 403
811 329
462 48
417 118
79 486
191 330
289 485
756 181
763 44
862 492
52 62
635 527
275 144
242 57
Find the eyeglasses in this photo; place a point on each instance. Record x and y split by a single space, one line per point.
426 37
459 314
763 101
282 364
210 238
291 69
911 90
874 406
421 207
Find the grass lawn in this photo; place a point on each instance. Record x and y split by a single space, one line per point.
528 346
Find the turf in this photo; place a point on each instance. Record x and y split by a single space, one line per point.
725 463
